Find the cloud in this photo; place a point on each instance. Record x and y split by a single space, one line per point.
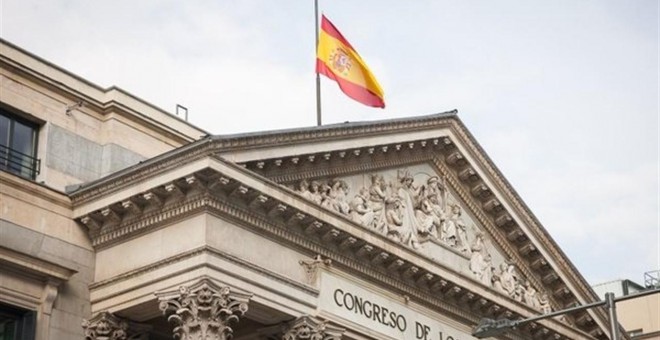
563 97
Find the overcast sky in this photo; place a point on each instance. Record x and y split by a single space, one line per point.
563 95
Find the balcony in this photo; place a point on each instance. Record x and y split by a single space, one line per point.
19 163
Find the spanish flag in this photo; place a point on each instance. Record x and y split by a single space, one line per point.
338 60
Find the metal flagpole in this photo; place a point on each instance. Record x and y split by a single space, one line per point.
318 78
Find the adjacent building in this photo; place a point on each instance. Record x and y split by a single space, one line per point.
640 317
121 221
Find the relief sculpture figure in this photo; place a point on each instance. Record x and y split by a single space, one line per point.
303 189
508 279
337 196
361 211
438 189
480 262
377 197
396 227
427 220
544 304
409 194
314 192
530 296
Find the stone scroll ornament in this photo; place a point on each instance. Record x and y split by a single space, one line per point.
413 213
105 326
203 311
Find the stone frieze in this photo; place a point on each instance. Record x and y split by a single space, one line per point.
415 207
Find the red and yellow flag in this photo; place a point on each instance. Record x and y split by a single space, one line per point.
338 60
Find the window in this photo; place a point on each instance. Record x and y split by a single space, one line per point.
18 146
16 323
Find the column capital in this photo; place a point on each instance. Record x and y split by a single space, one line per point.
105 326
203 310
309 328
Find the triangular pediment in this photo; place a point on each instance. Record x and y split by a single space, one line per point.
416 206
456 209
414 202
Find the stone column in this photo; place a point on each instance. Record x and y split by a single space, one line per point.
203 310
105 326
309 328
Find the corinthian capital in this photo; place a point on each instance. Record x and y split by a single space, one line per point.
203 310
105 326
309 328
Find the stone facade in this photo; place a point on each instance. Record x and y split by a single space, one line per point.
137 227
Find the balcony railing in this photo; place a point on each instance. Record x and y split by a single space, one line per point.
19 163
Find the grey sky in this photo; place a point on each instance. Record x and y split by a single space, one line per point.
563 95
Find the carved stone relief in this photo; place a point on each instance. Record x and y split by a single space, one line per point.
311 268
203 310
414 207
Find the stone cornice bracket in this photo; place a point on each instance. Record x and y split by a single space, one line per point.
203 310
309 328
311 268
105 326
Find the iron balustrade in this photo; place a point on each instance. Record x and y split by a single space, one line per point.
19 163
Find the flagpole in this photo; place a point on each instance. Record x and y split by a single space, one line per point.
318 78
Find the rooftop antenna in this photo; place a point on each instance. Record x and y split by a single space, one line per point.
182 109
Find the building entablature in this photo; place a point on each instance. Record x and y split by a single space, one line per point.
269 195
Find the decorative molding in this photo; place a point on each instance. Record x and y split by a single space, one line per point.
354 166
203 310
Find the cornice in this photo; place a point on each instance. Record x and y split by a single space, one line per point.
535 226
326 133
147 169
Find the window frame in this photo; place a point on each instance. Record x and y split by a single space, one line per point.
25 321
35 163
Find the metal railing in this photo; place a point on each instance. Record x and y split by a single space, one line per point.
19 163
652 279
